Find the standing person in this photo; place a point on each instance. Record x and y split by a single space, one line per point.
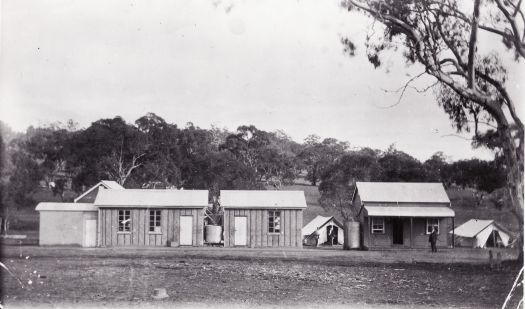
433 239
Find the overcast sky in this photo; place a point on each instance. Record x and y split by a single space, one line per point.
274 64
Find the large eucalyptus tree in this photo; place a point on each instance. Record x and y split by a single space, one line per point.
448 39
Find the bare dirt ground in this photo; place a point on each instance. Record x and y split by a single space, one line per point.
118 278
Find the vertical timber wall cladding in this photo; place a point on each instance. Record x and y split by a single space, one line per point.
290 234
140 235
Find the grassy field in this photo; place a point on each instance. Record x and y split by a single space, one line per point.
207 281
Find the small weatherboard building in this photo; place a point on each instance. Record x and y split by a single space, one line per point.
72 223
147 217
262 218
402 215
67 224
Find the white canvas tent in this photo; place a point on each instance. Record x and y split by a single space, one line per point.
481 234
323 226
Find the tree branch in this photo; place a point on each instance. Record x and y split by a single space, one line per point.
516 39
472 44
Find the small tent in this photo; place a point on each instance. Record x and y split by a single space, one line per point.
323 231
477 233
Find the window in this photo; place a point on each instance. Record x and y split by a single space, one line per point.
432 223
124 221
378 225
154 221
274 221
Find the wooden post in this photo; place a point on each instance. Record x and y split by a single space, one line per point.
411 232
453 235
370 238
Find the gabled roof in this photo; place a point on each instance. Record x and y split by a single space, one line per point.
410 211
317 223
473 227
107 184
262 199
402 192
152 198
65 207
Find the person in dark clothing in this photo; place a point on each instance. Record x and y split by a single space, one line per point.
433 239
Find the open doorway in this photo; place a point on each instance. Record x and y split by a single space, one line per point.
494 240
397 231
332 232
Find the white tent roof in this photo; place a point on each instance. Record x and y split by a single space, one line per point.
108 184
65 207
473 227
409 211
152 198
315 224
481 230
262 199
402 192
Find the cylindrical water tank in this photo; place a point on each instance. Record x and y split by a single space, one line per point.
352 237
212 234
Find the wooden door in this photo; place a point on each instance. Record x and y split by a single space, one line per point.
241 231
90 233
186 230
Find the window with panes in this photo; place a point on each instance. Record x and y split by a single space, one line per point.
124 220
432 223
378 225
154 221
274 221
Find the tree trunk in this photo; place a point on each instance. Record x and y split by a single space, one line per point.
514 161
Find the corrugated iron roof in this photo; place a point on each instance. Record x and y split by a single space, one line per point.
108 184
472 227
65 207
410 211
402 192
152 198
262 199
316 223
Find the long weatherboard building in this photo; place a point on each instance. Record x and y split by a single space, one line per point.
402 215
263 218
135 217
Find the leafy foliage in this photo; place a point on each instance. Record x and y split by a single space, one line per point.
339 178
166 156
441 37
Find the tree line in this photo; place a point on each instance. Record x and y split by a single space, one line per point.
152 153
